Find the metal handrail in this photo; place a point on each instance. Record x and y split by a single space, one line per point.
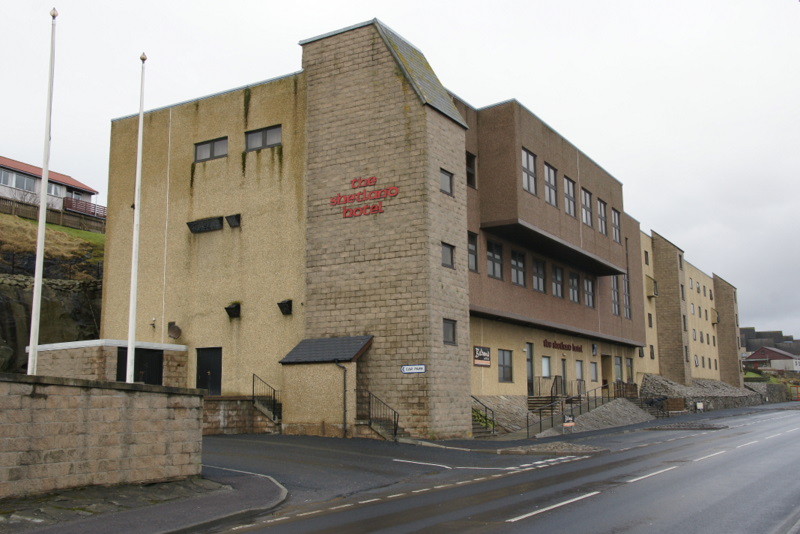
591 399
268 397
381 414
487 415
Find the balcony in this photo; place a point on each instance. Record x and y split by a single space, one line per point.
87 208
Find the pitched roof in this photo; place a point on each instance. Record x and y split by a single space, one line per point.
52 176
415 68
771 353
328 350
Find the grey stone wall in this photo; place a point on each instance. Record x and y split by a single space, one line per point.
60 433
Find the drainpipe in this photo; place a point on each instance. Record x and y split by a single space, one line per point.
344 397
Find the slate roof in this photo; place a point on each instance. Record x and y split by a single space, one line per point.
52 176
415 67
328 350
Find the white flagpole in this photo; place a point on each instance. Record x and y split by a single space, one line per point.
135 251
33 344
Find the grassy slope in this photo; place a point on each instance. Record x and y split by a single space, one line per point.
19 235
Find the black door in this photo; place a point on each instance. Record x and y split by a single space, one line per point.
209 370
148 366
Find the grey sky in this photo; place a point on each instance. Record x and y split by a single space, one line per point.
694 105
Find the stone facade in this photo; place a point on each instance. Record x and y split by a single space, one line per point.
60 433
730 349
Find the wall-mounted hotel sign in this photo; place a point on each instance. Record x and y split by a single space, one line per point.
482 356
370 201
558 345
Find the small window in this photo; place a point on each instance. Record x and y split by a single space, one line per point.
546 366
448 255
217 148
704 290
472 251
558 282
652 352
55 190
550 185
472 179
449 331
683 292
691 283
696 361
504 365
446 182
686 353
586 207
574 287
518 268
494 260
710 295
6 177
616 227
694 334
693 308
569 197
539 276
588 292
615 295
626 296
263 138
650 320
685 329
593 371
602 217
528 171
646 258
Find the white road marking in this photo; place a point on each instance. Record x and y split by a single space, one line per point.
368 501
543 510
421 490
792 430
395 495
746 444
309 513
709 456
341 506
422 463
653 474
773 436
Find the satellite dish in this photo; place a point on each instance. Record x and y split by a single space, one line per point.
174 331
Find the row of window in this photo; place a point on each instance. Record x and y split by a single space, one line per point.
704 338
254 140
700 311
710 291
570 200
17 180
697 362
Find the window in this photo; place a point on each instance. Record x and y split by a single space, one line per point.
6 178
618 368
518 268
685 329
574 287
652 352
449 331
26 183
472 251
494 259
593 371
646 258
629 369
578 369
692 308
216 148
714 338
683 292
704 362
698 288
626 295
569 196
558 282
586 207
471 171
528 171
539 276
615 226
701 336
710 295
704 290
446 182
615 295
263 138
602 217
504 366
650 320
694 334
686 353
680 261
550 185
55 190
77 195
588 292
546 366
715 365
448 255
691 283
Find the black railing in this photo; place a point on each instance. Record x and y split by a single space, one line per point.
656 406
267 397
483 415
549 416
378 414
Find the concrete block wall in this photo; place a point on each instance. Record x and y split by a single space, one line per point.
58 433
371 274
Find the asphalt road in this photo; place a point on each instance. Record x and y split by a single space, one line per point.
737 476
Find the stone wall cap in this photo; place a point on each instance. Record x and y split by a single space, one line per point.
97 384
110 343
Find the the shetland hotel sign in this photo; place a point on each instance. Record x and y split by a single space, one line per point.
369 198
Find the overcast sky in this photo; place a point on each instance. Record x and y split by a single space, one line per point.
694 105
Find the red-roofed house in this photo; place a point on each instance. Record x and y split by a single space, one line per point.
21 182
770 358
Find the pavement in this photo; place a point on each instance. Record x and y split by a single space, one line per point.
225 496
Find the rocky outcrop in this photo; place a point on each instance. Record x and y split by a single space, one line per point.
70 312
714 395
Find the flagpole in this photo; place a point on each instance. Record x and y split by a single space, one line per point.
33 344
135 250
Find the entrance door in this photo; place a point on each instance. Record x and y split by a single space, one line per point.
148 366
209 370
529 365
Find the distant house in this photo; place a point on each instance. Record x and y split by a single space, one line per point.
21 182
770 358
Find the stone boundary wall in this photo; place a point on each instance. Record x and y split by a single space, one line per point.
58 433
234 415
770 393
